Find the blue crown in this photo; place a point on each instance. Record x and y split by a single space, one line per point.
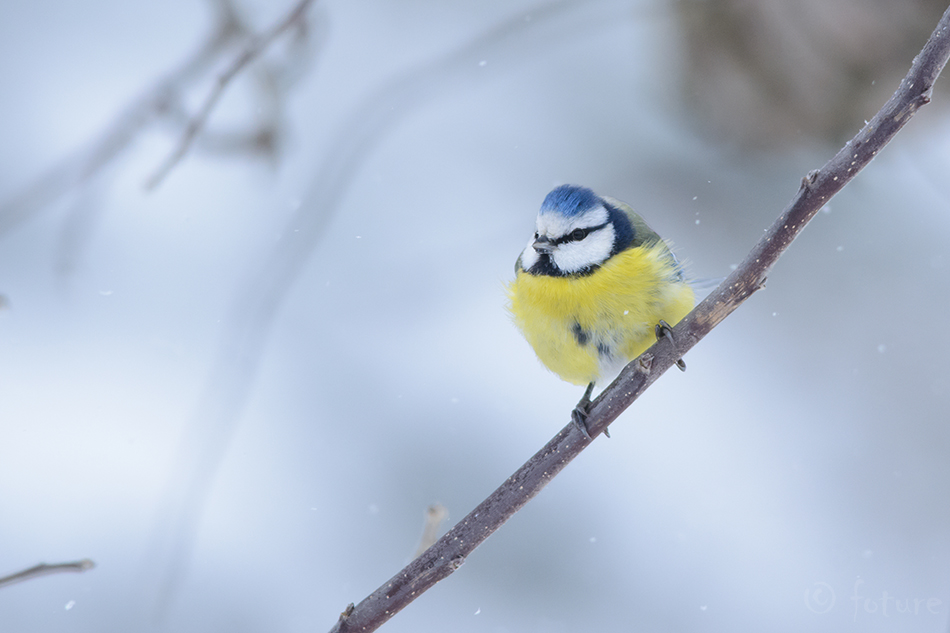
569 200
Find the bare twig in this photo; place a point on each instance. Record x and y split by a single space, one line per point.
44 570
817 188
435 515
250 52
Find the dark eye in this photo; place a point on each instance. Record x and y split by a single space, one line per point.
578 234
536 235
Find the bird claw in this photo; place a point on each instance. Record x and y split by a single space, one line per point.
579 418
581 411
663 330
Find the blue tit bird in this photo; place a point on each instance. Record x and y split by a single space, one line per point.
594 288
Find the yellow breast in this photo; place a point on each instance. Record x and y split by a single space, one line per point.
587 327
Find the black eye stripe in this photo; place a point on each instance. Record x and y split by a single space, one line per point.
578 234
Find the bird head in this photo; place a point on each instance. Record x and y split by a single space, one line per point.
576 232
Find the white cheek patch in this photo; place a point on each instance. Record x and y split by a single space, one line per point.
593 250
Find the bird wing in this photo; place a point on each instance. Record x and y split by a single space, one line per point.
643 234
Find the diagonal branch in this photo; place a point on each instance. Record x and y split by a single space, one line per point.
44 570
449 552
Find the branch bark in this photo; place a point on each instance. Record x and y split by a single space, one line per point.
817 188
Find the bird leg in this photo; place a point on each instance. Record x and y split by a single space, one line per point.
581 411
663 330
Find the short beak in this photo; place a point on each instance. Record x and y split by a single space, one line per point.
543 244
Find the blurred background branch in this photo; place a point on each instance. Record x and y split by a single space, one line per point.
164 103
436 514
265 138
44 570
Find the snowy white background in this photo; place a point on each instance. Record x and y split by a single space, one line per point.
804 450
